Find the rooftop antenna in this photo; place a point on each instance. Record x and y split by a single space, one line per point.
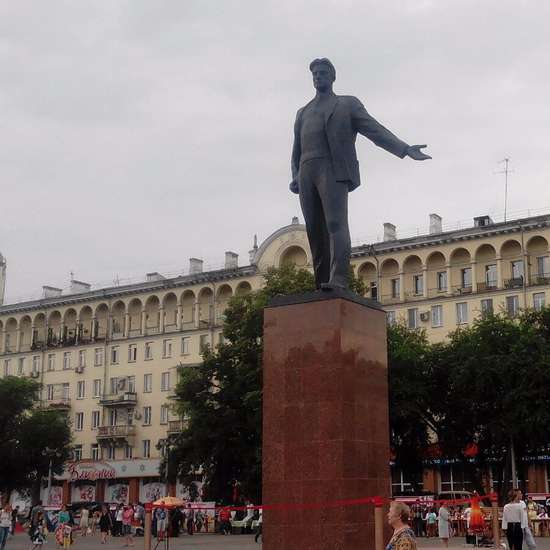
506 171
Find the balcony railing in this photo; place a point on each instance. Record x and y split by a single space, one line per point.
112 432
485 286
540 279
462 289
58 403
123 398
176 426
515 282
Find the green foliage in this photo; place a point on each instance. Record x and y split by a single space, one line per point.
222 398
26 433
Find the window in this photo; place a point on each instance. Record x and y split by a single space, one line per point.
49 392
466 277
487 306
97 387
543 266
148 351
441 280
461 313
113 417
66 389
437 316
373 287
95 419
418 284
79 422
82 358
36 363
147 383
128 451
98 357
395 288
167 348
132 353
131 383
114 355
412 318
538 300
402 482
185 345
453 478
165 381
111 453
7 367
21 366
164 414
113 385
94 451
491 275
146 448
77 452
203 343
51 361
390 317
81 389
147 416
221 339
67 360
517 269
512 305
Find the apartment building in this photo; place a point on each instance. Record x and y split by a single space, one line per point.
109 357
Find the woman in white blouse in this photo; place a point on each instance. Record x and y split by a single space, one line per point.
514 520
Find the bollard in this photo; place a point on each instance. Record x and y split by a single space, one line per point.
378 523
147 526
496 525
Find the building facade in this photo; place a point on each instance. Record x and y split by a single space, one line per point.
110 357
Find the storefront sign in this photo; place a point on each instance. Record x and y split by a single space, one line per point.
90 470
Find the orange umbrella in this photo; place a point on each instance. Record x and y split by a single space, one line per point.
169 502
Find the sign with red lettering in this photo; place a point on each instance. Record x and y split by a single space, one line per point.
91 470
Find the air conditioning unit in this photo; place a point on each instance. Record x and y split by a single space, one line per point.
79 369
425 316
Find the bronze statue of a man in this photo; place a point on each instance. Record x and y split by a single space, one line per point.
325 169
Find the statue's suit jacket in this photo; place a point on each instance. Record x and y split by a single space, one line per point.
344 118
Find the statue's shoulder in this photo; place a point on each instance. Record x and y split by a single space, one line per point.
348 100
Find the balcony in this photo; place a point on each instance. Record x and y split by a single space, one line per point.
113 435
390 299
460 290
516 282
176 426
540 279
126 398
58 404
487 286
412 296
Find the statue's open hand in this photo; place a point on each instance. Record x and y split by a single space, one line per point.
294 186
415 153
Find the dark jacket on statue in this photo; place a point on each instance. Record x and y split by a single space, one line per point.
345 117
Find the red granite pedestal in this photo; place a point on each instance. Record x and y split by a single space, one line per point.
325 420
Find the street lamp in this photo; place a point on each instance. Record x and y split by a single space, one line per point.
51 453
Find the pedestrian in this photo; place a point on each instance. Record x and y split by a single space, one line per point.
527 534
514 520
206 521
38 531
14 516
5 525
127 518
443 525
417 523
161 522
403 536
118 521
84 521
105 524
225 520
190 519
431 521
35 510
199 520
259 528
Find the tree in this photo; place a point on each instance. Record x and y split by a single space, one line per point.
222 398
27 431
411 420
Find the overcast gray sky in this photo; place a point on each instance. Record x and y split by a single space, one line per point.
135 134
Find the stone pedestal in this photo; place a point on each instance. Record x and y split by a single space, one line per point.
325 419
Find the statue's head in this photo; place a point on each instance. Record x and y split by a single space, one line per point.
323 72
